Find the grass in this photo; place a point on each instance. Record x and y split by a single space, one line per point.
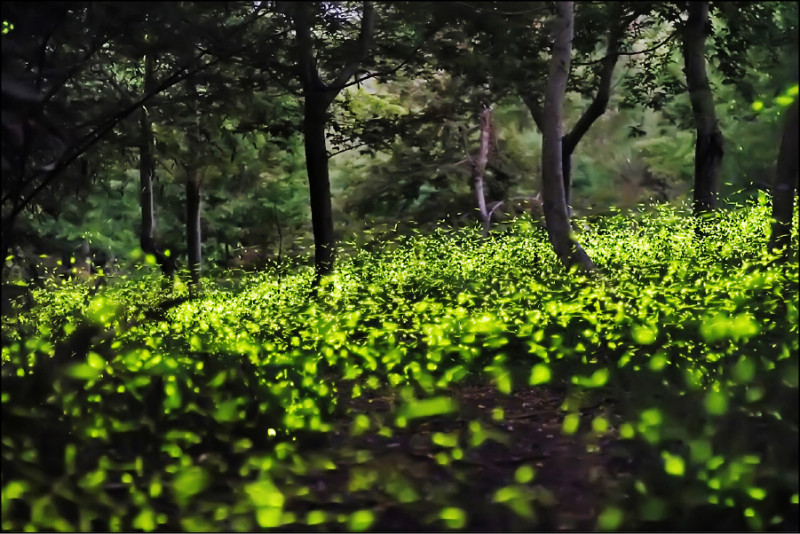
440 381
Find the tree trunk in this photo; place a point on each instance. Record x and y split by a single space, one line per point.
479 168
596 108
555 207
709 148
192 165
318 96
319 184
146 173
786 184
193 237
566 171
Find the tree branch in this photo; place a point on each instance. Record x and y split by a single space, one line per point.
535 109
603 94
509 13
331 154
88 140
389 72
637 52
364 38
427 35
100 131
305 50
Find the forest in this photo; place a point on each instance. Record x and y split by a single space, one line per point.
400 266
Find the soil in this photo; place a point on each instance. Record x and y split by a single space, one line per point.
572 472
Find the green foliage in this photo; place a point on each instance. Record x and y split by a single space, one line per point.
231 411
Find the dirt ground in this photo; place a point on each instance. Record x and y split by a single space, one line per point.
571 475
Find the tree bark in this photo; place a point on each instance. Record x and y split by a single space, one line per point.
479 168
318 97
319 184
555 206
146 173
594 111
709 145
193 237
786 184
192 166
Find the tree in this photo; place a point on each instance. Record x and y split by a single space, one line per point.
193 169
554 201
52 57
318 97
147 170
786 186
479 166
618 18
709 147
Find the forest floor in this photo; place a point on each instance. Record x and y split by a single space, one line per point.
571 481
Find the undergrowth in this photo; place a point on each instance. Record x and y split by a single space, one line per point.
258 407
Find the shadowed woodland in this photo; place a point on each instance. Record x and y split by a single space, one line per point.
395 266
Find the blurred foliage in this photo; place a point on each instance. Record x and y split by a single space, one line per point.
236 411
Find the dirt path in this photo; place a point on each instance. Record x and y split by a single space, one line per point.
568 487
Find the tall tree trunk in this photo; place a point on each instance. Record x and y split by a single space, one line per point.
596 108
479 168
709 145
555 206
193 237
192 166
785 188
318 96
146 173
319 184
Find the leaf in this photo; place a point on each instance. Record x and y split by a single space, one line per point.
361 520
745 369
644 335
600 425
610 519
716 403
715 328
454 518
445 440
269 517
226 411
571 423
743 326
263 493
189 482
540 374
146 520
673 465
428 408
524 474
